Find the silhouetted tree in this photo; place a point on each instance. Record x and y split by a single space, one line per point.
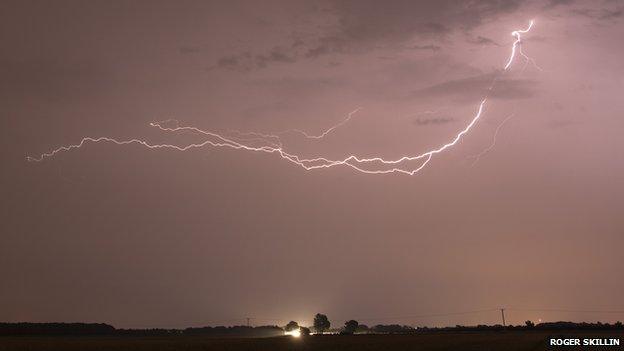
321 323
529 324
350 326
292 325
304 331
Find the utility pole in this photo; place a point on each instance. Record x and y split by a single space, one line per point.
248 319
503 315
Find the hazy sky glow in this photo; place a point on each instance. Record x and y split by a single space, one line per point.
162 238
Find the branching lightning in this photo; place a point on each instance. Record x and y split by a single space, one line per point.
517 44
327 131
269 138
272 143
493 143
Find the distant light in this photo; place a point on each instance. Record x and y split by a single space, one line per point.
294 333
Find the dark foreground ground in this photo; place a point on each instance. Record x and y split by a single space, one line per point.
468 341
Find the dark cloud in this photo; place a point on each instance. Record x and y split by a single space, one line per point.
327 45
276 55
476 87
421 121
364 24
241 62
189 50
318 51
611 14
245 61
369 20
480 40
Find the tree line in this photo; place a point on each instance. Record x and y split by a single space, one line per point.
321 325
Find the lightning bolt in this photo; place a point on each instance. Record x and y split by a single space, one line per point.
251 136
491 146
517 45
273 143
327 131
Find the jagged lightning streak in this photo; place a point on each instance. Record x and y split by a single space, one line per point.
322 162
328 130
517 44
276 135
372 165
493 143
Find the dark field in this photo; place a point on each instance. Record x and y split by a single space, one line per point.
477 341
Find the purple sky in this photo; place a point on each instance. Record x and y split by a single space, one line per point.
144 238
